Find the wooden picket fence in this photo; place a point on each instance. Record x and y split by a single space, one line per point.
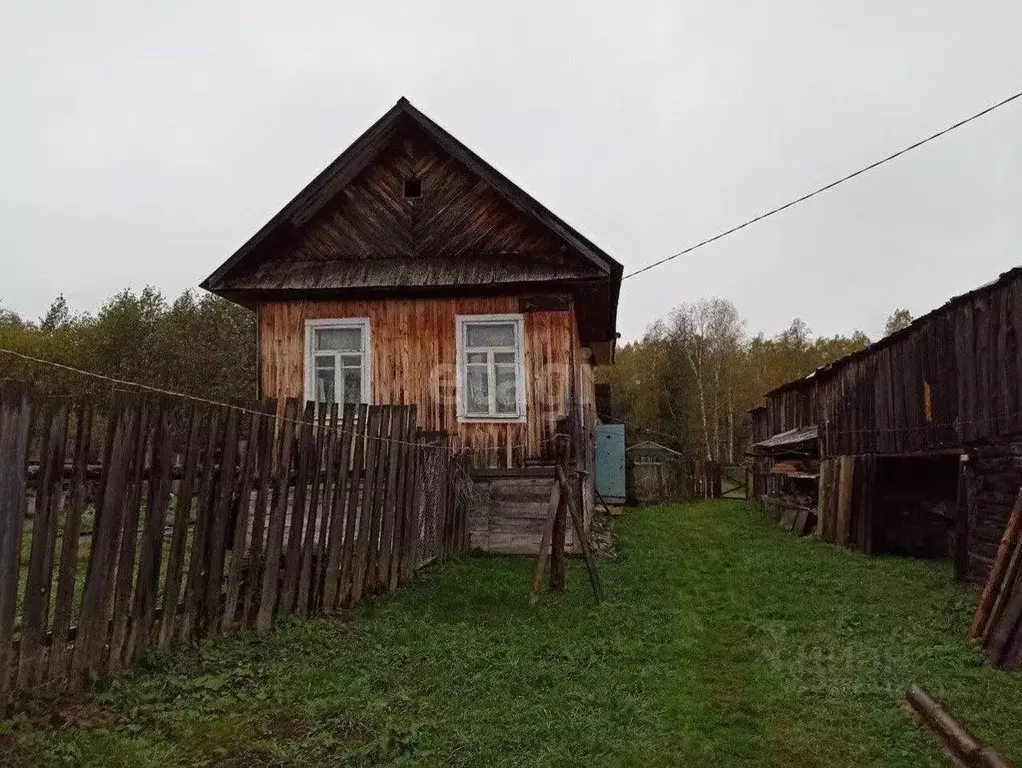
198 520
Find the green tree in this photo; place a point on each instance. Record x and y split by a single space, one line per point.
898 320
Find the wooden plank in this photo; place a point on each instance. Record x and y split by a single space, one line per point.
834 494
299 509
1009 539
390 507
1012 576
264 494
182 521
411 531
961 552
557 565
553 510
151 554
90 639
15 420
332 438
1014 357
59 658
580 536
403 498
278 517
216 544
870 506
981 325
129 537
383 458
335 535
39 573
348 556
248 465
844 499
365 509
822 499
308 543
198 564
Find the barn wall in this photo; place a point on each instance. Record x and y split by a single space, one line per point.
951 382
413 361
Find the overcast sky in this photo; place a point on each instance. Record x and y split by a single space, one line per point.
143 143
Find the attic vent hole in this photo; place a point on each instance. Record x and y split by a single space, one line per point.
413 188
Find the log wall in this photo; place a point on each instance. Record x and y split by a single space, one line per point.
997 469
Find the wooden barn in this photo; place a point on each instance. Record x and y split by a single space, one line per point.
410 271
919 436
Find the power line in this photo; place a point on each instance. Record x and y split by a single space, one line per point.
824 188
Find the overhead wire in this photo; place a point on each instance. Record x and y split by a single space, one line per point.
826 187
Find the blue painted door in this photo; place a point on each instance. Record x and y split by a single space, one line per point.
610 462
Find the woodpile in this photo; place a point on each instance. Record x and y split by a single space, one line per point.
998 619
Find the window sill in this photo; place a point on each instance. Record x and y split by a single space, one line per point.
491 419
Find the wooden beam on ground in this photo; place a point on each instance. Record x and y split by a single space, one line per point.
952 733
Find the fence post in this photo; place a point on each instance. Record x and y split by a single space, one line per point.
562 459
15 408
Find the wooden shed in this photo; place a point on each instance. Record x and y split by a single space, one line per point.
411 271
920 434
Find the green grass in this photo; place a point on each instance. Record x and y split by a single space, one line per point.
724 642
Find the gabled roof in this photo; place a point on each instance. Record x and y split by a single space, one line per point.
1013 274
356 158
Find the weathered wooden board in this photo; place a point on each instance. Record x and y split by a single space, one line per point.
182 522
68 568
15 415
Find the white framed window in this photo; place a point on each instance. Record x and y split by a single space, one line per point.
337 364
491 368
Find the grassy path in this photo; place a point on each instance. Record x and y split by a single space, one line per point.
724 642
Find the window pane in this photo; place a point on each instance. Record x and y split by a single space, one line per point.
477 398
503 357
477 357
507 390
351 361
325 361
353 385
490 335
339 339
325 385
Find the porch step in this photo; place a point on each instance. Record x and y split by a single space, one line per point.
508 514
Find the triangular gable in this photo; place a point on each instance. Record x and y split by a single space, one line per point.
473 217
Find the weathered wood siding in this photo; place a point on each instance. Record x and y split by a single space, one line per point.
414 361
952 379
951 382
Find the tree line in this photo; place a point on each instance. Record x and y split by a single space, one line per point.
691 379
197 344
687 383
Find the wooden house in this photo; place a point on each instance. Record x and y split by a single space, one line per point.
919 435
412 271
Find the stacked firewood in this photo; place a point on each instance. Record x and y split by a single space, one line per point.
998 619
